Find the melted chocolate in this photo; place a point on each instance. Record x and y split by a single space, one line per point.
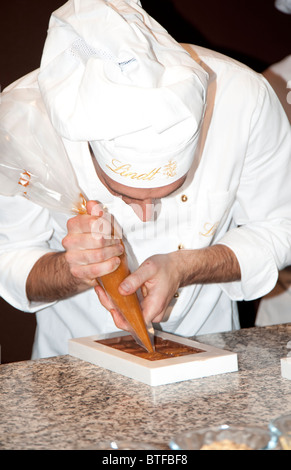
164 349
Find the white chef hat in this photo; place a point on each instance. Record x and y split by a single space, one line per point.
112 76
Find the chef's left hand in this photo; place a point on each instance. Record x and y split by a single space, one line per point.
160 276
159 279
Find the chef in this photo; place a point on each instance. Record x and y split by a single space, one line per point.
185 150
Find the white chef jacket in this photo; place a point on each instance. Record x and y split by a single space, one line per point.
237 193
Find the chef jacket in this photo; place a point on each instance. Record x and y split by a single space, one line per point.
237 193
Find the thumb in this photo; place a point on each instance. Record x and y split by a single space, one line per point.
137 279
94 208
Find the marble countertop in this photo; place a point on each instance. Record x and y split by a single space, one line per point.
65 403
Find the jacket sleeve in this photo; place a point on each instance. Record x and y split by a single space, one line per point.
262 212
25 233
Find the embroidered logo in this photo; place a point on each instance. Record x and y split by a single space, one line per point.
209 229
126 171
170 170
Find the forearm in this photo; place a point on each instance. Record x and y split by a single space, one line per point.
50 280
160 276
214 264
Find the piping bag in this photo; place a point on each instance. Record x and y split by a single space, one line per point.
34 164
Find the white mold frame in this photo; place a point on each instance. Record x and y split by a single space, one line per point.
286 367
211 361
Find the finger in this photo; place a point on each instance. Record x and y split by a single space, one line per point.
92 256
98 227
118 318
93 271
85 241
81 224
101 227
134 281
111 227
103 297
153 310
94 208
106 224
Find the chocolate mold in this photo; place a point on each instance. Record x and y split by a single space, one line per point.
191 360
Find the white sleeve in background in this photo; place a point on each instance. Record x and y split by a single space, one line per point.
283 5
262 240
24 237
279 77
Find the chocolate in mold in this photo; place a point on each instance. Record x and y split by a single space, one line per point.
164 348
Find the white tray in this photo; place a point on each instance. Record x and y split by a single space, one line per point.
211 361
286 367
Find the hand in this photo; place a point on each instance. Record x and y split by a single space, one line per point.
159 278
91 251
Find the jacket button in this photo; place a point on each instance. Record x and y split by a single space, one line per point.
184 198
176 295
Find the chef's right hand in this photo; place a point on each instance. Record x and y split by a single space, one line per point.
91 251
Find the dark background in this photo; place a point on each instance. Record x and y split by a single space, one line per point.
251 31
